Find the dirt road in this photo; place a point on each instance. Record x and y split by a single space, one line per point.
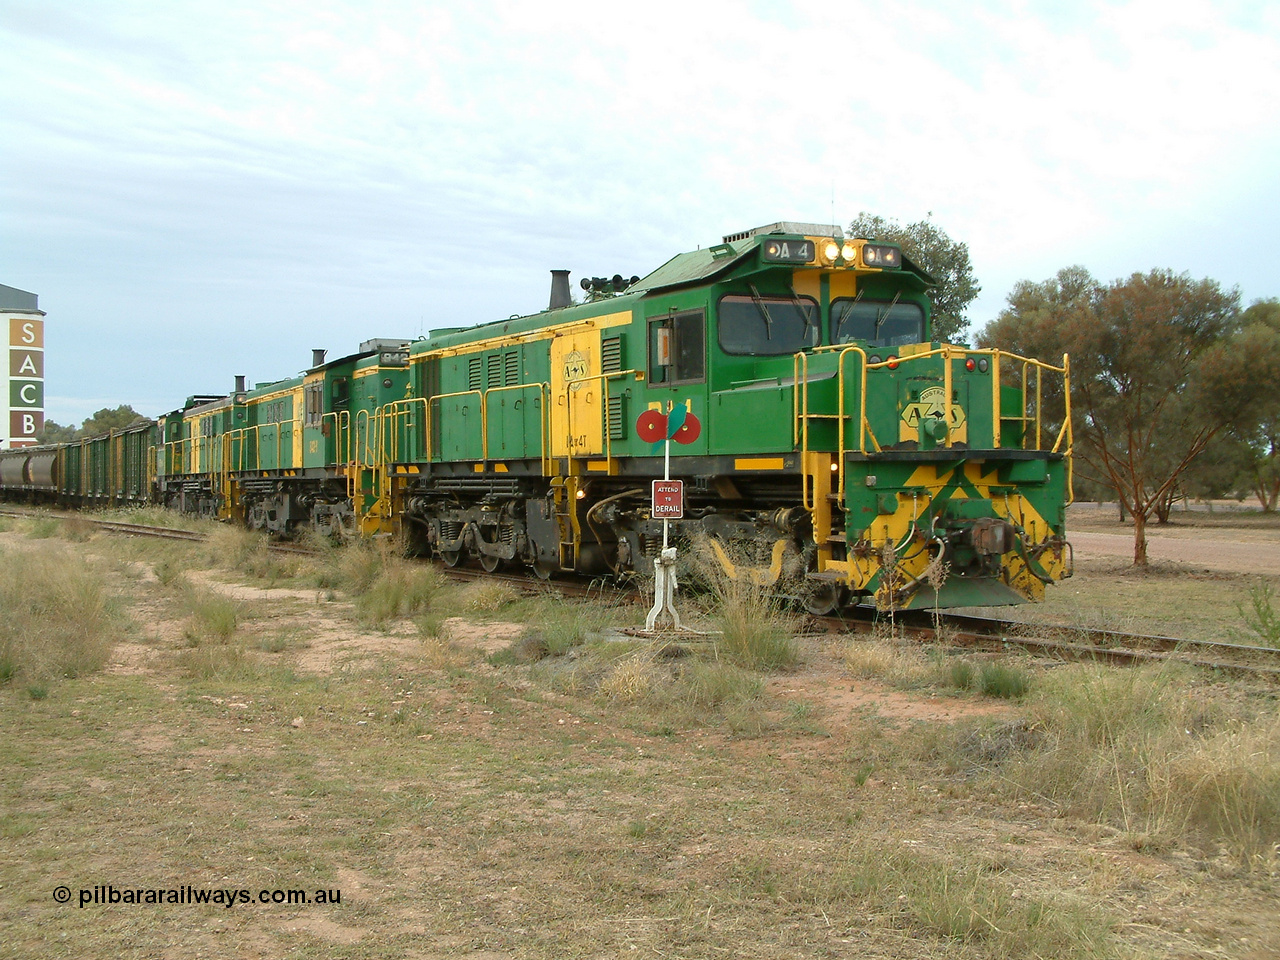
1201 552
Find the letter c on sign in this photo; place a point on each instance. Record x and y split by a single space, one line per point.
23 393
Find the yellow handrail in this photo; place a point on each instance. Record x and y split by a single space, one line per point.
544 399
604 409
484 432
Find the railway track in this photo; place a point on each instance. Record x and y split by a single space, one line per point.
1063 641
963 631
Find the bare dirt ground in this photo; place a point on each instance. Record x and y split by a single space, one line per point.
1226 540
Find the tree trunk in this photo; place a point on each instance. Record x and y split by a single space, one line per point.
1139 538
1163 509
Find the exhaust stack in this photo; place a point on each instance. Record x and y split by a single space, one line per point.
317 358
560 295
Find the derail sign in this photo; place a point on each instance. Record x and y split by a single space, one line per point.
668 500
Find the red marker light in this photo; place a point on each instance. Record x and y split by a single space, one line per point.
969 364
893 362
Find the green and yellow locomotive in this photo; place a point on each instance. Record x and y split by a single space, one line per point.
829 447
837 447
285 454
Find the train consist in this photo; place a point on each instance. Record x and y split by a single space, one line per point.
828 446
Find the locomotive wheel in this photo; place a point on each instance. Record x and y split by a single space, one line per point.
490 564
451 558
825 598
543 570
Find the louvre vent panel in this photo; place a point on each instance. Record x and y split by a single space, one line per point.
473 374
611 355
617 420
511 368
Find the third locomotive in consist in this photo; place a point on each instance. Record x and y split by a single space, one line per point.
825 441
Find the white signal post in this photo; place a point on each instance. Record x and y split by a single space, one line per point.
664 565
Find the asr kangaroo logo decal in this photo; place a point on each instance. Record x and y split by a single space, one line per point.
932 405
575 368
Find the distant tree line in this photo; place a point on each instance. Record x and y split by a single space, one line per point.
102 421
1175 390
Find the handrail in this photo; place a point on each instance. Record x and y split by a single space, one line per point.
948 354
397 410
484 433
604 409
544 399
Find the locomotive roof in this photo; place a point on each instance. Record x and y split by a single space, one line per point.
684 269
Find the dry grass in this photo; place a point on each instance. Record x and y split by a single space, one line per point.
1142 750
757 629
58 617
582 794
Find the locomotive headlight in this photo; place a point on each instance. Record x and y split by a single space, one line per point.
983 365
848 253
830 250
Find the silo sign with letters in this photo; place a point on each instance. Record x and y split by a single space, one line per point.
24 399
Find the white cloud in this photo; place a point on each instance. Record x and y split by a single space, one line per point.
180 174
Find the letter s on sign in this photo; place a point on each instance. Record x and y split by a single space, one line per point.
28 332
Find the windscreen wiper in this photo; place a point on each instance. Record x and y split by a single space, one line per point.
885 316
764 311
803 309
844 315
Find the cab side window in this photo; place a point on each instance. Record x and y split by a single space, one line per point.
678 348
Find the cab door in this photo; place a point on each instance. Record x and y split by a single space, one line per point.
577 420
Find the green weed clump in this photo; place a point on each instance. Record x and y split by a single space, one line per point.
908 668
213 618
934 896
228 661
59 618
1002 680
42 528
557 626
382 583
1261 620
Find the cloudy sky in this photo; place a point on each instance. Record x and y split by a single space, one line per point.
197 190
